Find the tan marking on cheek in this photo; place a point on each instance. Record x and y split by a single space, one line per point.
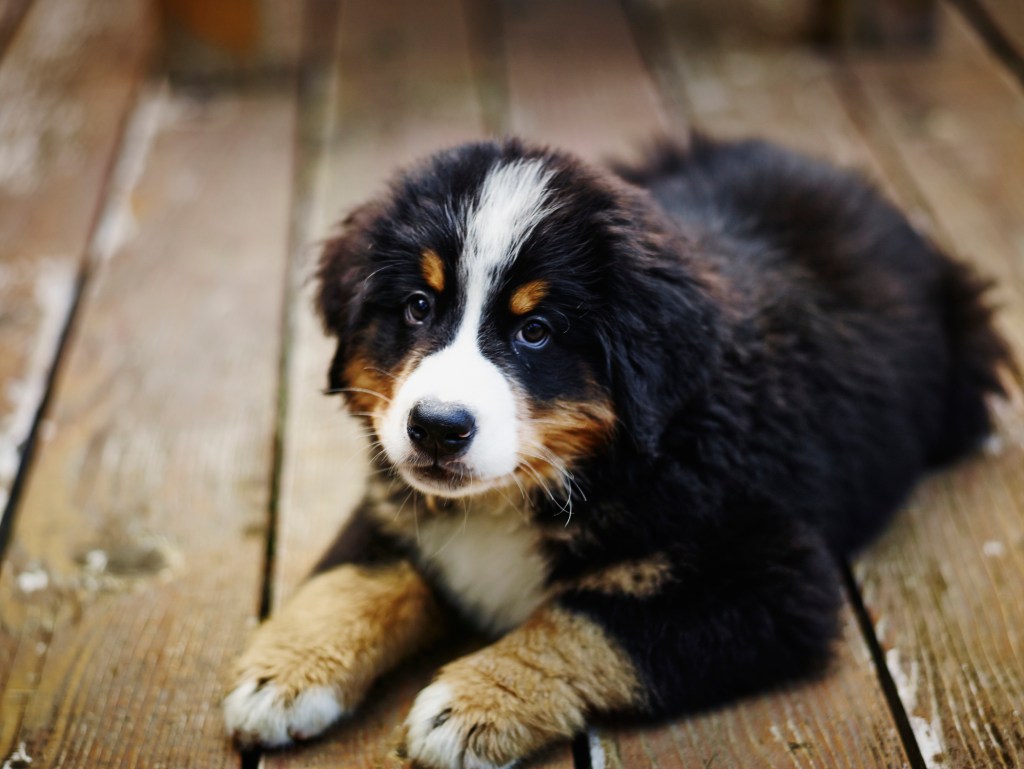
536 685
641 578
373 388
342 629
526 298
567 431
433 270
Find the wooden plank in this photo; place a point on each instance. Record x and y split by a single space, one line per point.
66 85
229 41
1008 17
842 720
11 14
136 558
401 88
943 586
578 59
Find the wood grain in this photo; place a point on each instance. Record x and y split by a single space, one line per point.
575 79
1008 16
66 84
838 721
11 14
945 584
136 559
842 720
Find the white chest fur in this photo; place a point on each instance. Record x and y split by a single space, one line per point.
489 561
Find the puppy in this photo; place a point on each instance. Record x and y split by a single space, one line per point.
628 420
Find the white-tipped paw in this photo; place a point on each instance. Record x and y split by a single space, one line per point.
262 714
439 733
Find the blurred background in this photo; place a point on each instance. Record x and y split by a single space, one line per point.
169 469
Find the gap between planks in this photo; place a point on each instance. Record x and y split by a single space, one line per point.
47 499
52 185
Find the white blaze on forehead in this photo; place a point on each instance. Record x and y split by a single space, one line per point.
512 202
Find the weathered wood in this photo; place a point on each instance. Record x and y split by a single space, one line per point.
838 721
401 88
842 720
1008 17
66 85
944 584
892 24
136 558
224 41
11 14
575 80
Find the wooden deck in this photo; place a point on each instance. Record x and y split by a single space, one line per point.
169 469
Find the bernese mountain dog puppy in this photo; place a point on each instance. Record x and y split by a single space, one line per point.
628 420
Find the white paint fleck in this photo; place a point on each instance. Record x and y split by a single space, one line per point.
598 759
928 735
881 628
33 580
96 561
117 224
994 549
55 285
906 682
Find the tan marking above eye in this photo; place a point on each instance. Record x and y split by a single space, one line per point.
433 270
526 298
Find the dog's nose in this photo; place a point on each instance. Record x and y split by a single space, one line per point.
444 428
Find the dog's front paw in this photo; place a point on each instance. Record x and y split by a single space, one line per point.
451 729
533 687
263 712
313 661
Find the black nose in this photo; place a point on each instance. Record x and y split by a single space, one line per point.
444 428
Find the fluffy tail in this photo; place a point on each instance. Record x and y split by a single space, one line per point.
977 352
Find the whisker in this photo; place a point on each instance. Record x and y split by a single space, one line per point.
407 496
522 513
416 518
564 475
336 390
460 530
380 371
540 481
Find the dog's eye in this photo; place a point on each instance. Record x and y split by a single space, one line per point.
417 308
534 333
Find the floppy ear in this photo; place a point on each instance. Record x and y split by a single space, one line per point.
341 277
663 340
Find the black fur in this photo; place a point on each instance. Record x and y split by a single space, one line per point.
785 356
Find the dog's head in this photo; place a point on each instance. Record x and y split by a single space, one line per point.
506 313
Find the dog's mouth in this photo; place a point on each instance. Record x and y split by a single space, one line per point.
445 479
